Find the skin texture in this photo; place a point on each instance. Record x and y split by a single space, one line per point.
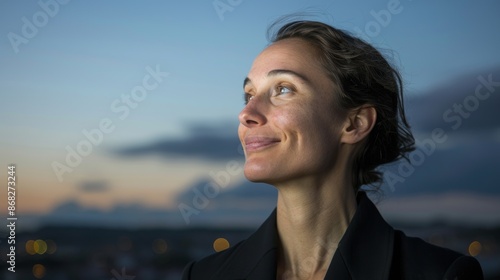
296 138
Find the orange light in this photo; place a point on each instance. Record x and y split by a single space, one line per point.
159 246
475 248
221 244
38 271
30 249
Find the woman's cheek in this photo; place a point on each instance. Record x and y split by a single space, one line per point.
282 119
292 115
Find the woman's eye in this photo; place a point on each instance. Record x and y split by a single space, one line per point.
247 97
284 90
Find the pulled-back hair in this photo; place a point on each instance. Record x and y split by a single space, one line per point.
363 76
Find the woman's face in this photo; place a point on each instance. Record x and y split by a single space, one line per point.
289 127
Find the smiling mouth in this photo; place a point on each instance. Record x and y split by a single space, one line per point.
257 143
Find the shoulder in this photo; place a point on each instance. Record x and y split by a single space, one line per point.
254 256
412 254
209 265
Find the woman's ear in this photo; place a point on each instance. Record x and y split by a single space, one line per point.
359 123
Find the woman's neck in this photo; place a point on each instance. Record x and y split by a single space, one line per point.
312 217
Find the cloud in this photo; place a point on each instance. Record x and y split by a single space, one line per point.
467 156
210 142
464 167
467 104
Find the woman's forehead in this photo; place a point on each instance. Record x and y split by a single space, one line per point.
291 51
289 54
292 55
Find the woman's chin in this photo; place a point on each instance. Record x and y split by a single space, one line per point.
257 173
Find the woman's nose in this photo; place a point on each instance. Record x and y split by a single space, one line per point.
253 113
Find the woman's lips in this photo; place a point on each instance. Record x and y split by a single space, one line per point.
255 143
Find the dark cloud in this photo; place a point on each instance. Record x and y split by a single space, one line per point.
208 142
440 107
468 159
469 167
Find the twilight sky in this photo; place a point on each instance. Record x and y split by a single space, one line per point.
117 74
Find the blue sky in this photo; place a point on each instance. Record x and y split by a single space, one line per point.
90 53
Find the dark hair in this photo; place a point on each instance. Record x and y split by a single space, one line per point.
363 76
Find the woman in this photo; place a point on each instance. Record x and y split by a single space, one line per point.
323 110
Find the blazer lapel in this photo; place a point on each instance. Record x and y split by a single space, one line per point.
256 257
365 250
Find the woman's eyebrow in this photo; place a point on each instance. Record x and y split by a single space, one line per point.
246 82
277 72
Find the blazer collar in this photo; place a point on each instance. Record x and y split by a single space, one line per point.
367 246
255 258
364 252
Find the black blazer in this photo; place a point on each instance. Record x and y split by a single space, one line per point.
369 249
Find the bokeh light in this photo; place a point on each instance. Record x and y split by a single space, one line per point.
221 244
51 246
160 246
30 249
475 248
40 246
38 271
